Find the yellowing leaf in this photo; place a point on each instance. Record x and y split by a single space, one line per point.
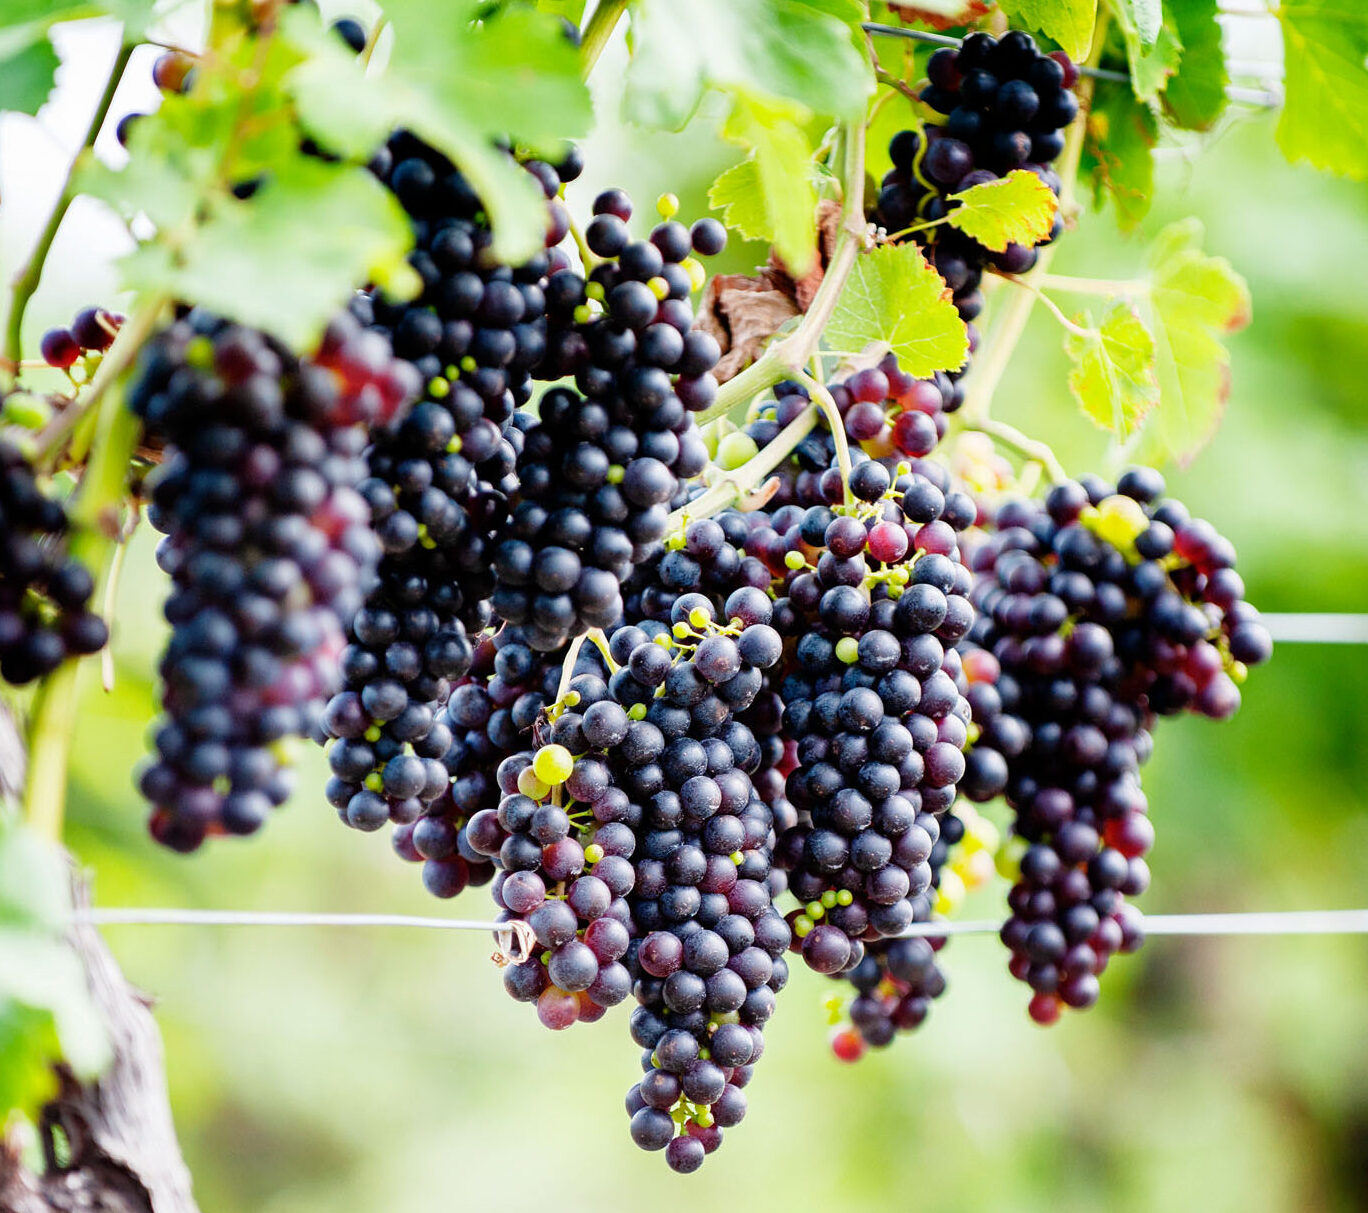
1113 375
1195 299
894 298
1016 209
1068 22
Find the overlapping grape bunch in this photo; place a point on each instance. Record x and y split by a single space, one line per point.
268 543
605 459
1105 608
45 594
782 700
439 483
1005 105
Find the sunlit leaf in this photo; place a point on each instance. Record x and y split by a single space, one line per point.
1016 209
1113 376
895 298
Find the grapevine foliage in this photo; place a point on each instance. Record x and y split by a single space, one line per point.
695 639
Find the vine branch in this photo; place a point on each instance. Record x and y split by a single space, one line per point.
26 281
790 354
597 33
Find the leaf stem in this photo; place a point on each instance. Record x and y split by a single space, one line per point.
26 281
1094 286
790 354
596 34
836 424
1054 309
1030 449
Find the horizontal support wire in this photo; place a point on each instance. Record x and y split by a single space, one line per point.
1292 922
1311 627
1269 97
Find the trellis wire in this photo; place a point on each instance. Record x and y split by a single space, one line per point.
1300 628
1274 922
1269 97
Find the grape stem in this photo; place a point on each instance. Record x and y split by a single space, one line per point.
600 642
568 666
597 33
96 530
736 484
837 424
790 354
1030 449
27 280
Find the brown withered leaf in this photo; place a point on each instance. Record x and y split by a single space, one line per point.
742 314
942 14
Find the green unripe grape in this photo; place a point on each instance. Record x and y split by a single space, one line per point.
736 449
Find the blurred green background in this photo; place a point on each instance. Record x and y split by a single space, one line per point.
317 1070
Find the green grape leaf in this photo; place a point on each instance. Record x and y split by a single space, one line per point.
571 10
1016 209
461 86
28 68
808 51
46 1011
1068 22
29 1048
1113 373
312 234
1195 97
1325 117
137 15
770 195
1143 18
1194 301
894 298
1119 152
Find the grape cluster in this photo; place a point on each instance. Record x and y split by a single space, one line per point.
604 460
1104 609
488 719
873 704
267 542
1005 105
439 483
710 958
91 332
45 614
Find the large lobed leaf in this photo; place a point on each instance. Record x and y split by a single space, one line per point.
1016 209
1113 373
461 85
1195 300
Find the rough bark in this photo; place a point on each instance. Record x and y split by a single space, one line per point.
109 1146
